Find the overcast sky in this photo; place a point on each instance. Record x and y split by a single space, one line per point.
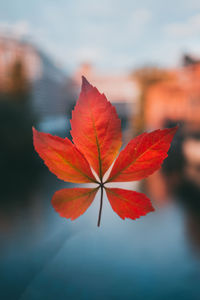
115 35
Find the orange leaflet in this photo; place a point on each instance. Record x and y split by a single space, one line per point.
71 203
96 135
62 158
96 128
128 204
142 156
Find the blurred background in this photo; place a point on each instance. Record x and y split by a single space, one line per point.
145 56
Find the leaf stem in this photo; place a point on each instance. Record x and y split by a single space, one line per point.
101 204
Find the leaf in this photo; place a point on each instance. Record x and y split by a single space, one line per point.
96 133
128 204
62 158
71 203
96 128
142 156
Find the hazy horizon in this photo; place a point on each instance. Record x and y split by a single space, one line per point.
112 35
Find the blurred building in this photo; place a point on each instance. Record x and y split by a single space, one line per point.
176 99
12 50
146 77
167 101
51 90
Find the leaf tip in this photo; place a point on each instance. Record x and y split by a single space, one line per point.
174 129
35 132
85 84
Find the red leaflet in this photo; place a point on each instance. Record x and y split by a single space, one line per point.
71 203
142 156
96 136
96 128
128 204
62 158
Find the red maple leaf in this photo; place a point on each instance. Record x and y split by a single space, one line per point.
96 133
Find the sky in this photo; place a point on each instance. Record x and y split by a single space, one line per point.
113 35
